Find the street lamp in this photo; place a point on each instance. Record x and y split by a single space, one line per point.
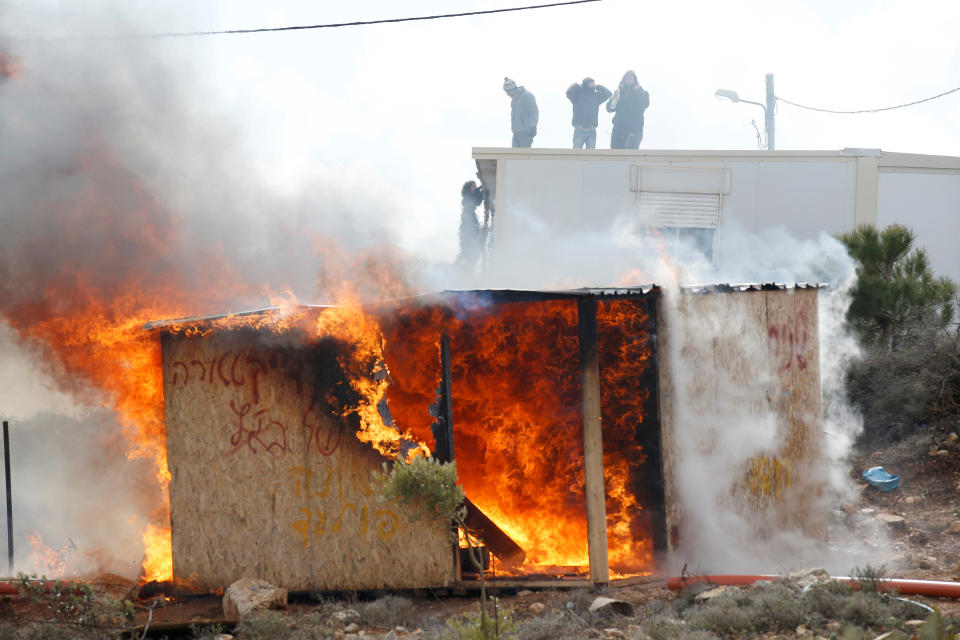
767 108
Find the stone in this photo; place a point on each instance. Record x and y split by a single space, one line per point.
353 627
892 521
955 526
925 562
537 607
223 636
344 616
802 631
713 593
838 516
252 595
609 604
868 512
524 592
807 577
913 623
953 437
911 499
614 634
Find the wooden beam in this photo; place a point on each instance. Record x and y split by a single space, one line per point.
593 441
443 427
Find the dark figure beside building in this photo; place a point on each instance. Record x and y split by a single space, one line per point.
586 98
524 114
628 104
471 235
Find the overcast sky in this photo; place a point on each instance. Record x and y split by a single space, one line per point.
393 110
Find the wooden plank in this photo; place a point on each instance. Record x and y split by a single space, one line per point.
592 441
649 436
443 428
519 583
637 580
494 538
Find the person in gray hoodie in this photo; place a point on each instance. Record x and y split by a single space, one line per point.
524 114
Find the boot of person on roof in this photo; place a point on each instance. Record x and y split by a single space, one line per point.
586 98
524 114
628 104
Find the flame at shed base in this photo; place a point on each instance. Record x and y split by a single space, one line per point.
158 554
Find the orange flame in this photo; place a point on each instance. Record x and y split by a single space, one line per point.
518 423
158 563
9 66
46 560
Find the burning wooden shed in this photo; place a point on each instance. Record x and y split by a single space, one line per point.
561 408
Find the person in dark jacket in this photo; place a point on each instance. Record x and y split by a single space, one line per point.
628 103
586 98
524 114
471 235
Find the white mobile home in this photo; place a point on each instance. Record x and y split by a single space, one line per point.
696 194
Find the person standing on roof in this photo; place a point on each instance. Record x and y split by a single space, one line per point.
524 114
586 98
628 103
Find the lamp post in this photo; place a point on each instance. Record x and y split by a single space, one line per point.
767 109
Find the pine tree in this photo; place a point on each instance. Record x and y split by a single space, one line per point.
897 297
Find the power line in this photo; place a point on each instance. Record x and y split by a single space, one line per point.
304 27
899 106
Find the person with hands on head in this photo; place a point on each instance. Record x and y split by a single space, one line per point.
586 98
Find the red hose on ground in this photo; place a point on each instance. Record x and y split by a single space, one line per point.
13 588
933 588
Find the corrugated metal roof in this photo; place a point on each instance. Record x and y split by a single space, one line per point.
160 324
479 297
751 286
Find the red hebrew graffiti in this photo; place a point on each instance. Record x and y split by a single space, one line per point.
789 343
220 373
230 368
325 440
270 435
203 369
257 368
186 372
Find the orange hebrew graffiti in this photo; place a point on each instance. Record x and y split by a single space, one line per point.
768 476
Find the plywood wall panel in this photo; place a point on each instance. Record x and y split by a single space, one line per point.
267 482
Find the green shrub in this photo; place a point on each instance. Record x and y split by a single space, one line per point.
389 611
472 626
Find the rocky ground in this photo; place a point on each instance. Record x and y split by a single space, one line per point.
915 530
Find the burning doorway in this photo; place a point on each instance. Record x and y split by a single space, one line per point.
530 375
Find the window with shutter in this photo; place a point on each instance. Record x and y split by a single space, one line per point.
681 203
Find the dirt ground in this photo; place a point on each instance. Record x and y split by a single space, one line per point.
921 546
